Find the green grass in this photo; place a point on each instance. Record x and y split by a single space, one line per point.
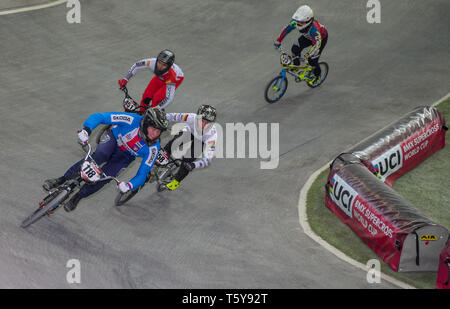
426 187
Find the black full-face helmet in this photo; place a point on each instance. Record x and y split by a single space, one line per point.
207 112
166 56
156 118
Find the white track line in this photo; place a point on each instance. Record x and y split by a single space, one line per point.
32 8
303 219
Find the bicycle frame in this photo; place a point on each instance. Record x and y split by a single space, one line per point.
167 168
291 69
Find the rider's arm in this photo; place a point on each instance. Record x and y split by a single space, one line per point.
142 64
107 118
316 42
146 166
292 25
181 117
170 94
208 152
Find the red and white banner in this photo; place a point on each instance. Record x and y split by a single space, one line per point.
409 153
383 219
443 277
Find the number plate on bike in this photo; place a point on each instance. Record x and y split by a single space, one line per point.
129 104
90 172
163 157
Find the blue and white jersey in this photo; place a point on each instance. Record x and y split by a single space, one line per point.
126 131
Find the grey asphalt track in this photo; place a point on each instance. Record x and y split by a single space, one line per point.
232 225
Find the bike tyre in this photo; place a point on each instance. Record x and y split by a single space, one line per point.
52 203
122 198
324 68
161 187
282 90
101 133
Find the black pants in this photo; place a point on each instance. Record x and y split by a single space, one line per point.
195 151
302 44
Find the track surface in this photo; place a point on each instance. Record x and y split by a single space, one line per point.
232 225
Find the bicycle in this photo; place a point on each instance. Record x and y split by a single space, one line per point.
163 172
129 106
278 85
90 173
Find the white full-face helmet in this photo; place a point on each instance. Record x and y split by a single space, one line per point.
303 16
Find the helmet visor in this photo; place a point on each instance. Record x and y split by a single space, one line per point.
302 23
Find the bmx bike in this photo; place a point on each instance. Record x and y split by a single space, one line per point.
89 173
277 87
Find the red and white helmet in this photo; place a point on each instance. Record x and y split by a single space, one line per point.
303 16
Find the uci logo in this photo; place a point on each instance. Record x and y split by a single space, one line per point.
389 162
342 194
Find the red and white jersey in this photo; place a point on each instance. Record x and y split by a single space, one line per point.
174 76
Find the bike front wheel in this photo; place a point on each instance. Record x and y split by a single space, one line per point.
50 203
275 89
122 198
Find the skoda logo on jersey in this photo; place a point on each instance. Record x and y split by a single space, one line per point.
342 195
389 162
122 118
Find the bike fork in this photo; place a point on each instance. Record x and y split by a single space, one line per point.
280 81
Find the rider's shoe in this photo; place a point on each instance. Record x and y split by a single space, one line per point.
314 80
173 185
72 203
53 183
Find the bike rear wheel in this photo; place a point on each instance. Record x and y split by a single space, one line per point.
323 75
49 203
275 89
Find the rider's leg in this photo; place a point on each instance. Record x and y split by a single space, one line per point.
183 172
153 86
119 160
297 48
181 138
159 96
101 155
194 154
314 62
165 95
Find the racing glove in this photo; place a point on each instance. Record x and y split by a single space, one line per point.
123 187
122 82
188 166
277 44
83 136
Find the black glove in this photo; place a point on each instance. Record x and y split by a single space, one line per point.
188 166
